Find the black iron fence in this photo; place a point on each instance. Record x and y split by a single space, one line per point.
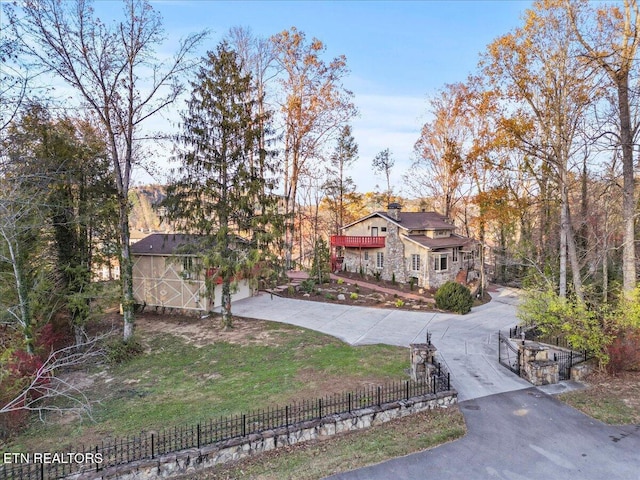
508 354
566 359
153 444
533 334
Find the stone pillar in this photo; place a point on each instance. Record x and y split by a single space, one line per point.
422 359
535 365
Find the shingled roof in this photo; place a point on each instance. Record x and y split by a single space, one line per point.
420 220
164 244
413 220
437 243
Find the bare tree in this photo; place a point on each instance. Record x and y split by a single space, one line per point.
49 391
611 43
114 70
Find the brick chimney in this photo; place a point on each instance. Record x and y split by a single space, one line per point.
393 210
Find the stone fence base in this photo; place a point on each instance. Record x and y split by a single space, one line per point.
189 461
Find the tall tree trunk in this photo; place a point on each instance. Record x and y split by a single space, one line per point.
126 269
628 197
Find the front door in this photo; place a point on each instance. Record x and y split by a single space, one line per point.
374 231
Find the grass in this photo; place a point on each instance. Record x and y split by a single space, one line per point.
314 460
611 399
181 382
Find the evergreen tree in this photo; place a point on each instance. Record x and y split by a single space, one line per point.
218 193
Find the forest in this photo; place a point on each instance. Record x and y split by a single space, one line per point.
533 154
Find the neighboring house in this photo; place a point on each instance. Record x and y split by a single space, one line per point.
164 275
406 246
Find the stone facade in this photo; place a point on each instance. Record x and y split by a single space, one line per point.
535 366
422 356
192 460
415 246
394 262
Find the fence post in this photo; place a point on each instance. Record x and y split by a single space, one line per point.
286 415
349 402
448 381
198 430
320 408
244 425
152 452
407 387
379 400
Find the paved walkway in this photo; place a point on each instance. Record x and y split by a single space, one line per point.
466 343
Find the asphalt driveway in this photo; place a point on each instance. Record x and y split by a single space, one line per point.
525 434
466 343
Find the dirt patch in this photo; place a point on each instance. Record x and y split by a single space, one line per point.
201 332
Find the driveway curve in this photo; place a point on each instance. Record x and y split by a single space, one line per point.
467 344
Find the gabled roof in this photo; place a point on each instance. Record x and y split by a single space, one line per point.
412 220
437 243
165 244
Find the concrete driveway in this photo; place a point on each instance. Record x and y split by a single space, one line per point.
515 431
467 344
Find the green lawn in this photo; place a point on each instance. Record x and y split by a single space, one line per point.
181 382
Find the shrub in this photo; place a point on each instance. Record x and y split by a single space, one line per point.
399 303
454 297
308 285
353 296
329 296
120 351
340 281
624 352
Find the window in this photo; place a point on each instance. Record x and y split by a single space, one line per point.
454 258
187 268
380 259
383 229
415 262
366 255
374 231
440 262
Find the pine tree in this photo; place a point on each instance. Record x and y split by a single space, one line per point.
219 194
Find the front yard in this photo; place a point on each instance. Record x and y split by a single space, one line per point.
191 370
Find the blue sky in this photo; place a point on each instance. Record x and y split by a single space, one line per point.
399 53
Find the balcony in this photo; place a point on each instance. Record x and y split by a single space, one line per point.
357 242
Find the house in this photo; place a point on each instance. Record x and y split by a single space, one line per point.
165 274
419 247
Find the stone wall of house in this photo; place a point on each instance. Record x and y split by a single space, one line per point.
192 460
394 261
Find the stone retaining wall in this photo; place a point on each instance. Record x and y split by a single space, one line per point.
188 461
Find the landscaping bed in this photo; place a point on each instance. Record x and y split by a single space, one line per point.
352 290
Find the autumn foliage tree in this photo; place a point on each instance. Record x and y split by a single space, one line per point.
314 105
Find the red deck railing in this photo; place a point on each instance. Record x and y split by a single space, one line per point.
357 242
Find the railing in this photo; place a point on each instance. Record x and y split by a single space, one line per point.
357 241
533 334
151 445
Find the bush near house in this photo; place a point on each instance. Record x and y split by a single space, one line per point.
454 297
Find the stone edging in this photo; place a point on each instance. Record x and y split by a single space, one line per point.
194 459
